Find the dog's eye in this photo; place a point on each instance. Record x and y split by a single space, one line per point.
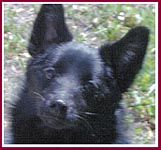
49 72
91 83
91 86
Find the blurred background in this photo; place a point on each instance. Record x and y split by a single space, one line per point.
93 24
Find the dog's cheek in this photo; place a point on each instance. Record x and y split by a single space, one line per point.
36 81
90 99
81 104
99 99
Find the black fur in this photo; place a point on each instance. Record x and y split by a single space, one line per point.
72 91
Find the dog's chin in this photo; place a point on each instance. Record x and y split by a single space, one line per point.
59 123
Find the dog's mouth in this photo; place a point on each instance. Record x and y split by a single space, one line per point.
56 121
57 114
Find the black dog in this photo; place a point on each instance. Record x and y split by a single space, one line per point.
72 91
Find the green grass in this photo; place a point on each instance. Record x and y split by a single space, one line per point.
95 24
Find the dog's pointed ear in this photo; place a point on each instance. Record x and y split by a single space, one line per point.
49 28
126 55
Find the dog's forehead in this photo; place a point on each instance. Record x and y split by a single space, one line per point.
74 54
80 50
77 57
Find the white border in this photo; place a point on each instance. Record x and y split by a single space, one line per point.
79 2
2 74
156 72
86 145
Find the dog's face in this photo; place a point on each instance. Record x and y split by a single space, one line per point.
72 81
62 77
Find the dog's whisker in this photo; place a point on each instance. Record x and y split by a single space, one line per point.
89 113
88 125
39 95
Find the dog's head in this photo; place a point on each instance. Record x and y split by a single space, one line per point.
69 80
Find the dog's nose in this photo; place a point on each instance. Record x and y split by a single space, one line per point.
59 106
